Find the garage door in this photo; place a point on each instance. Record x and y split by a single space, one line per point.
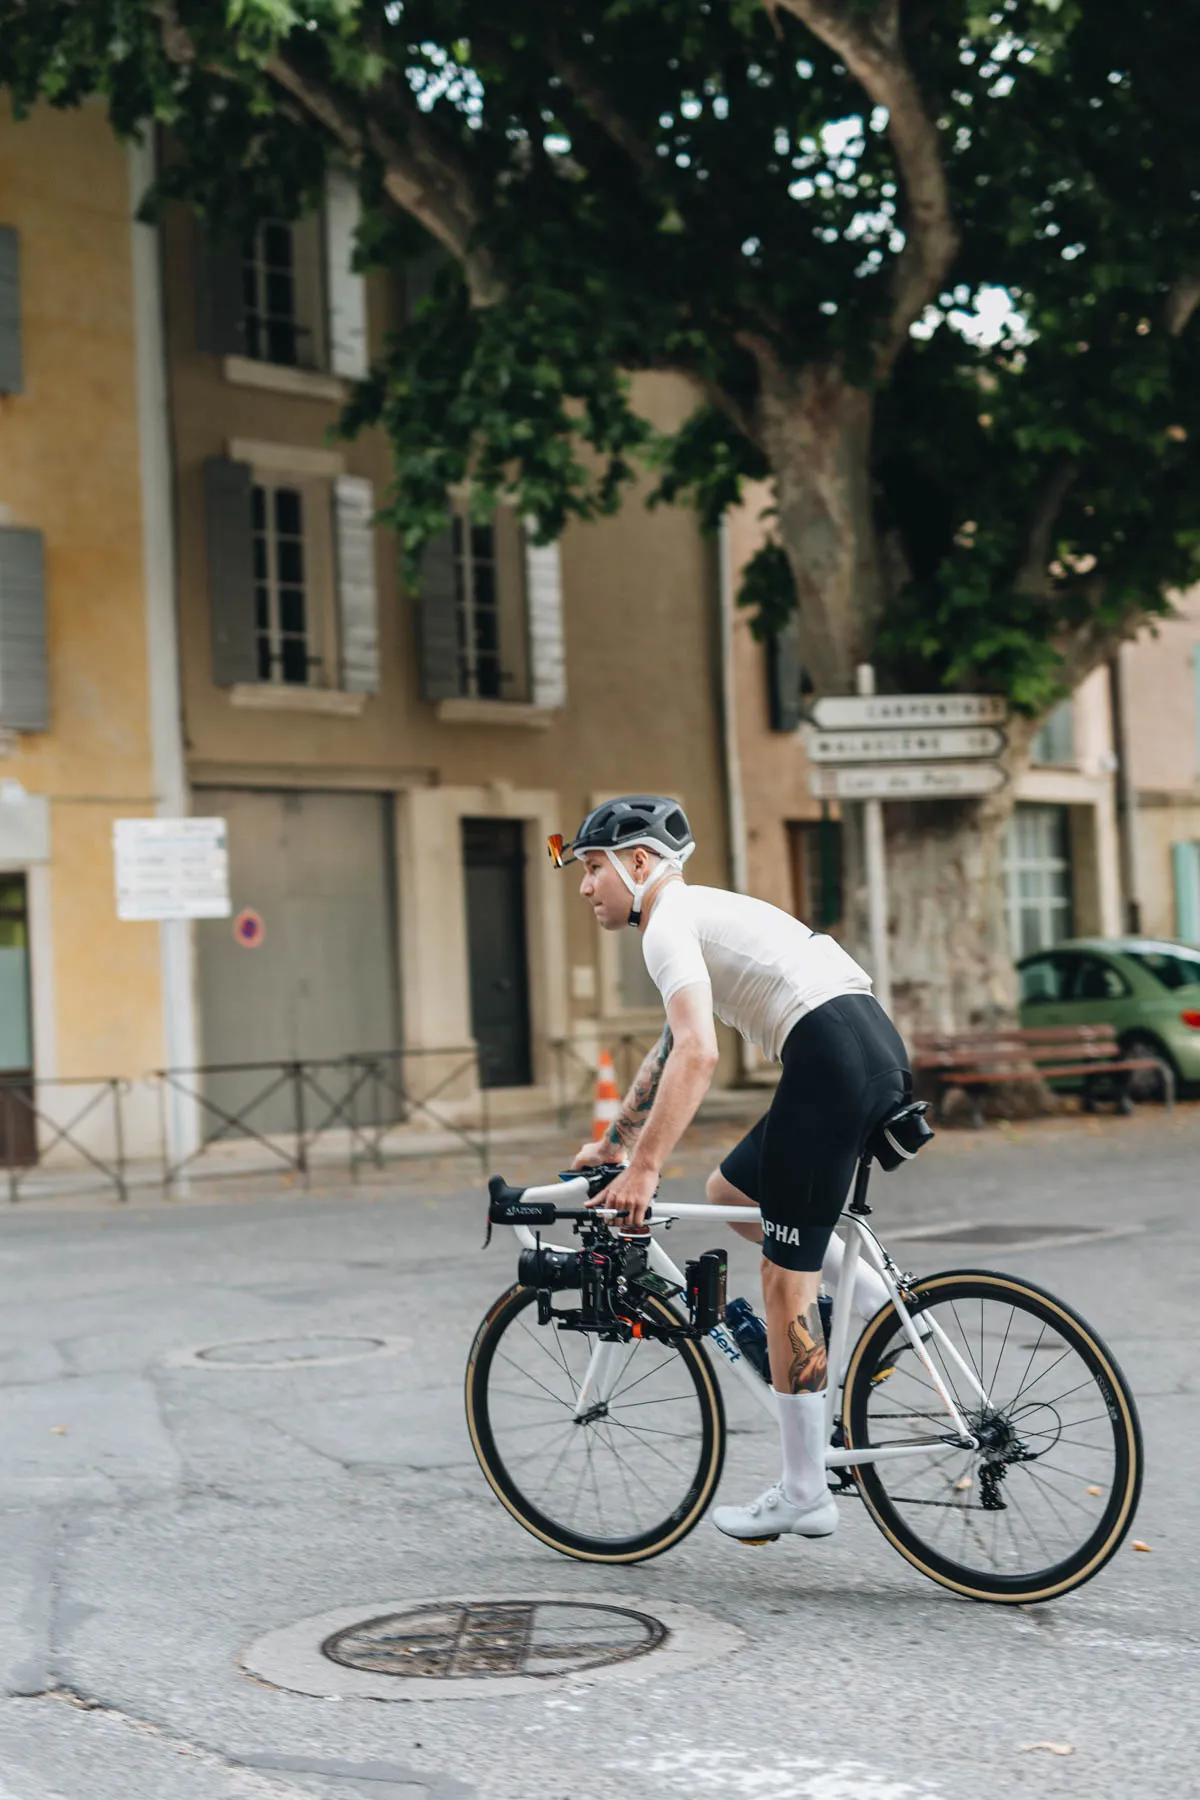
318 868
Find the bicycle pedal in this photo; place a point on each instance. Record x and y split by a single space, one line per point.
882 1374
752 1542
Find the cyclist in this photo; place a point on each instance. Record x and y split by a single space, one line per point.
808 1004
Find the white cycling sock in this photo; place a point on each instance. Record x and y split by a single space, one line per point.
802 1436
870 1290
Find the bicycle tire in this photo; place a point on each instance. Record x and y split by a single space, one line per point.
584 1547
1029 1300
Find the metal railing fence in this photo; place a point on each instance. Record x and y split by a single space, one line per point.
367 1095
26 1119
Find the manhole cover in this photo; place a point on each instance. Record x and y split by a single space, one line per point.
455 1647
499 1637
287 1352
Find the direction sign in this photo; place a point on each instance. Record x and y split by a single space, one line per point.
926 745
171 868
853 712
911 781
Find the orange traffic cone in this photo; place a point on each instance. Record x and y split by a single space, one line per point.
608 1096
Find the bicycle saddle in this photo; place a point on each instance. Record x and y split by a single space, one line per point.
900 1134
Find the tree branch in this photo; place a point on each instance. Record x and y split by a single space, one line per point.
424 177
1033 575
1181 302
872 51
601 108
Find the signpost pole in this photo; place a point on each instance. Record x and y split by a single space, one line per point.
876 872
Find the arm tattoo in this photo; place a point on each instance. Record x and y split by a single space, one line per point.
635 1108
809 1366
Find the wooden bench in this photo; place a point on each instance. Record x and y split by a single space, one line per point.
972 1060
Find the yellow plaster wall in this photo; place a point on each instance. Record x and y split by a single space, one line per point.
69 467
641 622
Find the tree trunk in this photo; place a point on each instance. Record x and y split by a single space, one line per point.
952 964
816 431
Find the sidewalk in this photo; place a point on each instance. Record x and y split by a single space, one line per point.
437 1162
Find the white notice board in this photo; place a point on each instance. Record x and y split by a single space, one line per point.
171 868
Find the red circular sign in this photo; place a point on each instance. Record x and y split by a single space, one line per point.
249 929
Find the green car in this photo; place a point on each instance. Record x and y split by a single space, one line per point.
1147 989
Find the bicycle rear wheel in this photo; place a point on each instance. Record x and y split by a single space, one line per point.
631 1476
1045 1501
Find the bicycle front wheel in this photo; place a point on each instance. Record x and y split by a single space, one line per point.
618 1480
1046 1499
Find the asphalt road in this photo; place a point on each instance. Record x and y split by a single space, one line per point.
160 1515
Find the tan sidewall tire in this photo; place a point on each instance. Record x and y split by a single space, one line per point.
1005 1285
710 1397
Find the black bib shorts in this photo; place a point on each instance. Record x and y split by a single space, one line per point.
844 1068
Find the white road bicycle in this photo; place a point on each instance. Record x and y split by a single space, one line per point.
985 1426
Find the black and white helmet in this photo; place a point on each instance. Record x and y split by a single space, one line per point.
650 820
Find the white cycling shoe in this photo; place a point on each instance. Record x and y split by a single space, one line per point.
773 1514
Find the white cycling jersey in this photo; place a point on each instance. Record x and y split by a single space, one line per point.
765 969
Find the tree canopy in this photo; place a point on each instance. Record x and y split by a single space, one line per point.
959 241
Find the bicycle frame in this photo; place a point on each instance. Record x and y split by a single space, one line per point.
609 1359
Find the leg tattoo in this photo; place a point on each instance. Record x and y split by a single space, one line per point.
809 1367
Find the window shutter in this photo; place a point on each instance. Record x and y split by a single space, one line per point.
220 301
24 689
547 646
784 676
229 536
354 512
437 617
1185 860
10 313
347 291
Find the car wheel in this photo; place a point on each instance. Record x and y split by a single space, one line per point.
1148 1084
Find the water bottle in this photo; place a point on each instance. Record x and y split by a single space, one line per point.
750 1335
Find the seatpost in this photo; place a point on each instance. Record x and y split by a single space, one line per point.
859 1202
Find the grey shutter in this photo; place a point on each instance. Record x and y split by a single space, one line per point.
784 677
437 620
229 536
220 301
10 312
24 690
547 647
358 605
346 289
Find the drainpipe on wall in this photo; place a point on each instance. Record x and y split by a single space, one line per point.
176 936
734 799
735 803
1126 797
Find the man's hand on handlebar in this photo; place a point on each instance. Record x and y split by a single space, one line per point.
631 1193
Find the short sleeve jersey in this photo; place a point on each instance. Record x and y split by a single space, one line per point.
765 969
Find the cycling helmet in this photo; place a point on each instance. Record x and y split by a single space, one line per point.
651 820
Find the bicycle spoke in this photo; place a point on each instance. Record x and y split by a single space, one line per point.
1035 1416
619 1471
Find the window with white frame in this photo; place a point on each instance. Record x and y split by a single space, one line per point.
489 583
282 293
283 596
1037 877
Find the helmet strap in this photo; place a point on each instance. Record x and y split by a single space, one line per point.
639 889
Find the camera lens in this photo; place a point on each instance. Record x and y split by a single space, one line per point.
546 1268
